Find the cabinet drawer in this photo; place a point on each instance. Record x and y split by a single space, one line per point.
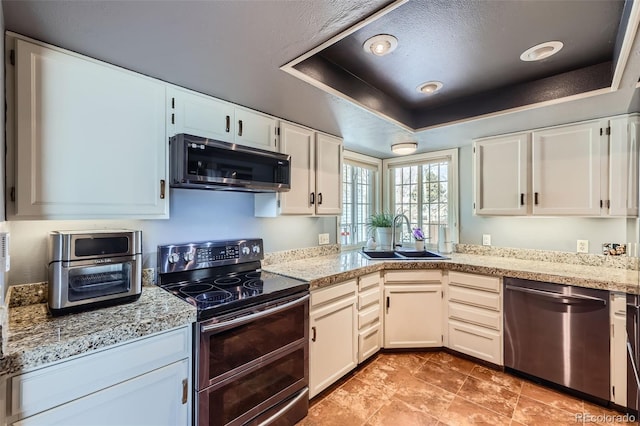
324 295
368 297
370 280
475 341
369 342
479 316
57 384
479 298
369 316
412 276
481 282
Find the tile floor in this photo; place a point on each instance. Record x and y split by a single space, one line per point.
437 388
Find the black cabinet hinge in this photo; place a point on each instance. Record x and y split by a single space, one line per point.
601 203
605 131
474 149
12 57
277 131
608 131
13 193
173 103
613 390
278 203
173 118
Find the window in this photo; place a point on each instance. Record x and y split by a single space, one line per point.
424 189
359 197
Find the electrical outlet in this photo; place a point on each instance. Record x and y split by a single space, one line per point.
486 239
323 239
582 246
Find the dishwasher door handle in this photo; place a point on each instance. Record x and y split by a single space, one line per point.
552 295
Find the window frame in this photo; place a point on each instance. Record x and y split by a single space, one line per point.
361 160
450 155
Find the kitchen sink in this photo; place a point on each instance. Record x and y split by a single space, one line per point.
401 255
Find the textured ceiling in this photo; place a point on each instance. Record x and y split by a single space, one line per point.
234 50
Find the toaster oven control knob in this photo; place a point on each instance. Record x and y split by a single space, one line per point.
174 257
188 256
246 251
256 249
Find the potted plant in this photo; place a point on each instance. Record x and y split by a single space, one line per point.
381 224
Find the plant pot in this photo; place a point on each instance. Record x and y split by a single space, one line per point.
420 245
383 238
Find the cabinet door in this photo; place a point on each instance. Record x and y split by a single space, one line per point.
298 142
200 115
156 398
328 175
333 346
91 139
501 170
413 316
618 318
567 170
255 129
623 166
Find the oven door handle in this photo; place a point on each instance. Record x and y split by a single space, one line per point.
257 315
286 408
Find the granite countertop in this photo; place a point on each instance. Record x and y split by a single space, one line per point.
33 338
326 270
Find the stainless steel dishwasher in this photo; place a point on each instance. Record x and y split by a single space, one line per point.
559 333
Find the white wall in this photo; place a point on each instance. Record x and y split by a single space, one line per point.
196 215
548 233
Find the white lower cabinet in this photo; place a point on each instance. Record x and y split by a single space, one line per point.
618 316
474 312
334 341
143 382
413 309
369 315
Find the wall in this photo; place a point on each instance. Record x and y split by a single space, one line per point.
195 216
546 233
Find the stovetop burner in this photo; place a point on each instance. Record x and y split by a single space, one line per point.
221 276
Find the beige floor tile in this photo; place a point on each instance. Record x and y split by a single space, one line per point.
396 412
381 375
500 378
328 413
463 412
489 395
552 397
411 362
453 362
536 413
360 398
441 376
423 396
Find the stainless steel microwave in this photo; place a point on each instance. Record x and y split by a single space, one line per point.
202 163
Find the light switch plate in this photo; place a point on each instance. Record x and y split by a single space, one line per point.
486 239
323 239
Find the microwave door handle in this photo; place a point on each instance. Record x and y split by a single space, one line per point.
251 317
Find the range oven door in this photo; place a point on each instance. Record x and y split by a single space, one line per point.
254 364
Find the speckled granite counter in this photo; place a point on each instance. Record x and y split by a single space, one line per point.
34 338
326 270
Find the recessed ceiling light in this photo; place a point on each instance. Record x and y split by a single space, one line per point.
404 148
380 44
429 87
541 51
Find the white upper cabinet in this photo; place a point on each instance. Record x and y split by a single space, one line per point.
623 166
583 169
299 143
200 115
501 175
566 166
328 174
316 175
90 138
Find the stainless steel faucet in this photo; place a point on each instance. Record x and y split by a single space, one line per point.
393 229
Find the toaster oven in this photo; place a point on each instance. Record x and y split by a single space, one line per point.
90 269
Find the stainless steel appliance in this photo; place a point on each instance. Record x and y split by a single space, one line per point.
558 333
251 342
633 354
89 269
202 163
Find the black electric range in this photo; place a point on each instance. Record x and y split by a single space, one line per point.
218 277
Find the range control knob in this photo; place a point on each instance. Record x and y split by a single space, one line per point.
188 256
174 257
256 249
246 251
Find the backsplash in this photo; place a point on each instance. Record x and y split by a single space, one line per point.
619 262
